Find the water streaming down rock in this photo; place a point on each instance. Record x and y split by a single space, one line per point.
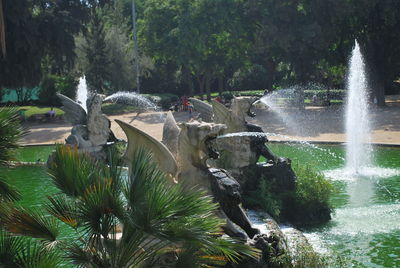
82 92
132 98
358 149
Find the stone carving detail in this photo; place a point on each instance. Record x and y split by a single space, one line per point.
91 130
138 139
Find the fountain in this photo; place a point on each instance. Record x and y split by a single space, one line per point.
82 93
132 98
358 150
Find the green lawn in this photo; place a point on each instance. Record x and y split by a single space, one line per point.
28 111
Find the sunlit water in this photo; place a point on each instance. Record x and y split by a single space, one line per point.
132 98
82 92
279 101
358 150
365 225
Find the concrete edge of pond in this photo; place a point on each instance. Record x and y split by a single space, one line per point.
335 143
22 163
271 141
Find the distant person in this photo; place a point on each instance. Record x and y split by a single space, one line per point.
185 103
314 99
51 113
190 107
219 99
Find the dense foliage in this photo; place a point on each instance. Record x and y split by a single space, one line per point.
118 220
10 133
308 204
196 47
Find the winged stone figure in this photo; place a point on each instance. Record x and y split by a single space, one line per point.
74 112
205 109
91 130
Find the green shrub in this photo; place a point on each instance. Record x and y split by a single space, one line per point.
47 94
163 100
310 203
264 198
51 84
227 95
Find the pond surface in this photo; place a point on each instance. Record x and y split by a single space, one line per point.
365 226
34 153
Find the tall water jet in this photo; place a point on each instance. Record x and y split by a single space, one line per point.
358 148
82 92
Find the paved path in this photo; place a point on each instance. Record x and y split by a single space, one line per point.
312 124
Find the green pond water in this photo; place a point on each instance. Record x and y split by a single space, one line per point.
365 227
34 153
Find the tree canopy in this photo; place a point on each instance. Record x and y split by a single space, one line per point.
190 47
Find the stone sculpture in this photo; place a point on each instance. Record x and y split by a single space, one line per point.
188 153
193 150
91 130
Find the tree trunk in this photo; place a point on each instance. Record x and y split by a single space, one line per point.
376 71
220 84
208 87
188 79
201 81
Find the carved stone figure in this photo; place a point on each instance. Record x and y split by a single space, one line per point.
138 139
193 150
90 130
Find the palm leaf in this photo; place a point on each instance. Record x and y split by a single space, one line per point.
72 172
170 213
34 255
11 132
83 258
8 192
100 208
10 247
64 209
33 224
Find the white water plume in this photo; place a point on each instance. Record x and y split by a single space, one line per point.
358 149
82 93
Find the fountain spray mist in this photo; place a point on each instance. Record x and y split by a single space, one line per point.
358 148
82 92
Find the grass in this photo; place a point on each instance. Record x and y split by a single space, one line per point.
28 111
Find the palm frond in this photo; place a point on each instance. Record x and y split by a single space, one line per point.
11 132
84 257
134 249
10 247
64 209
34 255
169 212
33 224
8 192
99 209
72 172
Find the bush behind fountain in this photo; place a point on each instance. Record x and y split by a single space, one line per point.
308 204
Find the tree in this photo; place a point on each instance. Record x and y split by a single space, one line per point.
33 30
97 70
377 26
